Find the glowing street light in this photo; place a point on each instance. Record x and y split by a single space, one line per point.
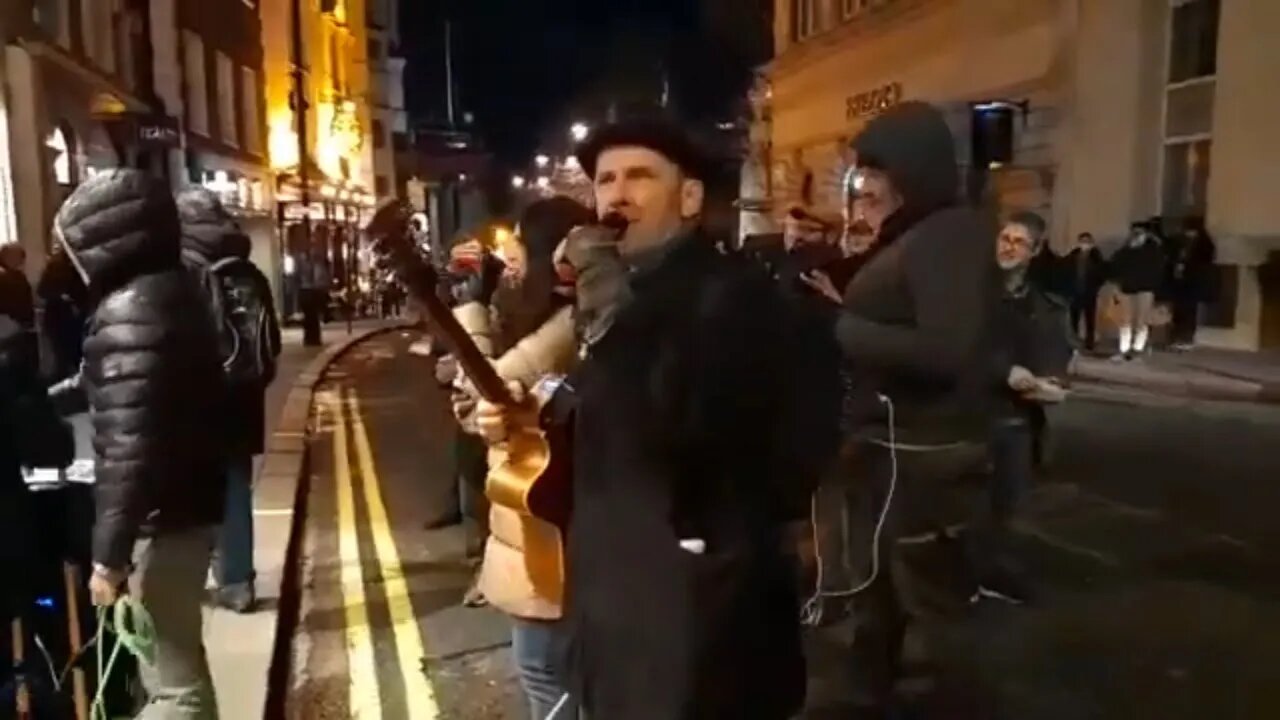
544 183
572 163
542 161
517 181
579 131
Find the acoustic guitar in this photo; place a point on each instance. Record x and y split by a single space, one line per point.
532 473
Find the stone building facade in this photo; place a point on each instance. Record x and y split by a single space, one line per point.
1122 110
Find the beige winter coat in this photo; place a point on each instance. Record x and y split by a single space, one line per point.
504 579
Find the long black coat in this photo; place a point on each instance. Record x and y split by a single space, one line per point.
707 412
151 367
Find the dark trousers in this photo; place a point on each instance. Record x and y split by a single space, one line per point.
916 581
472 463
1085 307
1010 447
1186 319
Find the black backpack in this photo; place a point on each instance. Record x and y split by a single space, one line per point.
243 314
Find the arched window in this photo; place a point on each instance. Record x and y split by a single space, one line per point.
62 147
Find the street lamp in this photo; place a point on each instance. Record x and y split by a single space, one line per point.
579 131
517 181
542 161
544 183
572 163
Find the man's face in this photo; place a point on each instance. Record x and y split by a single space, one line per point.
872 199
1014 246
648 190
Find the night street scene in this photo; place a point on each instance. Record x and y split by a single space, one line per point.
639 360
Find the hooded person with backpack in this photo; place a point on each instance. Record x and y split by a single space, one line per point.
216 251
152 380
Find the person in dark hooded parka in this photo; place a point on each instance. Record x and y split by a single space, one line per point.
152 379
915 330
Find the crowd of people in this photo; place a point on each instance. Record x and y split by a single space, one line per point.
148 316
756 432
1150 269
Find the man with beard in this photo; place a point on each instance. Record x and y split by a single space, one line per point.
704 414
914 327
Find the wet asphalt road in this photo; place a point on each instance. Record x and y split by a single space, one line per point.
1153 543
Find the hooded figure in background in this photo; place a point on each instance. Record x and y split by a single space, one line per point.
216 250
152 379
914 328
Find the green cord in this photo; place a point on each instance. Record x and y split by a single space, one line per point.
134 631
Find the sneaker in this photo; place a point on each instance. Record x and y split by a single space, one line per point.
473 597
1006 587
421 348
239 598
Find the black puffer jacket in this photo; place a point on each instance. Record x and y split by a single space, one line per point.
210 234
151 370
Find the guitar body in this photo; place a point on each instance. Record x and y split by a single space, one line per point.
531 475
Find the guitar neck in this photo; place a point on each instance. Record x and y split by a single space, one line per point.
421 280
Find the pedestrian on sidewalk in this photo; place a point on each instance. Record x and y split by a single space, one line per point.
915 323
155 390
529 329
1138 269
1031 354
1190 280
1088 273
16 296
216 251
704 415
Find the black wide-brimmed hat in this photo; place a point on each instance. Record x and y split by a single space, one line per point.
661 135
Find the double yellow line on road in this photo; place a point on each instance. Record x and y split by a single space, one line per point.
365 700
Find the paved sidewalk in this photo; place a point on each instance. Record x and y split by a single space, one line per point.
1201 373
240 646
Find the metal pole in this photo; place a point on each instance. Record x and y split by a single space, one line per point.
310 316
448 70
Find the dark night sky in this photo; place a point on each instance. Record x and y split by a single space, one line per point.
527 68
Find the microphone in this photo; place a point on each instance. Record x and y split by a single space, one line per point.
615 220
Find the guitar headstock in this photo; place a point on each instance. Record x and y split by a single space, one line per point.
390 226
391 231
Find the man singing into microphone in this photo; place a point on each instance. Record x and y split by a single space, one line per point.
704 414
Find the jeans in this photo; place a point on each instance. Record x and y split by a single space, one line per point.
534 644
1011 454
235 540
170 584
